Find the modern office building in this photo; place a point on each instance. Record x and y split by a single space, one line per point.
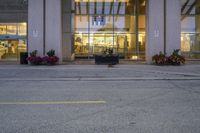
134 29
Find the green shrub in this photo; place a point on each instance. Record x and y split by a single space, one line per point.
51 53
33 53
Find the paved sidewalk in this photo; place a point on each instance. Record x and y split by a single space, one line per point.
75 72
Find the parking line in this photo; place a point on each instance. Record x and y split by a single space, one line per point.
52 103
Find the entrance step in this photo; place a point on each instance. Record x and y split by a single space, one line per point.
92 62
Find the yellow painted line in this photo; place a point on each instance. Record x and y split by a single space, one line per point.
52 103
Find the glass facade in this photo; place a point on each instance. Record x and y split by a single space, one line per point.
116 24
12 40
190 28
13 29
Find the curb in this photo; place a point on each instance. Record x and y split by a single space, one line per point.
100 79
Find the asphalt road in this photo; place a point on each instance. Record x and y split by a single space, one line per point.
98 106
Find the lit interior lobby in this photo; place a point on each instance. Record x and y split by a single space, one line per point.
100 24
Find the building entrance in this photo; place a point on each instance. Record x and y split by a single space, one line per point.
116 24
12 40
10 49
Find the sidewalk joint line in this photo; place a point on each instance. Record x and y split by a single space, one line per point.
52 103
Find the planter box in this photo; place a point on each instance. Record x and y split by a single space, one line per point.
107 59
23 57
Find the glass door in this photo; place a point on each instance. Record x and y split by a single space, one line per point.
12 40
100 42
10 49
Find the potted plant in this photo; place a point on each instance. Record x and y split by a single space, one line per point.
33 59
50 59
160 59
176 58
107 58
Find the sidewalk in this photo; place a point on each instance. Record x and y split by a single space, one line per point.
101 72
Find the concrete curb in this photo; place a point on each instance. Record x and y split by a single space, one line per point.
100 79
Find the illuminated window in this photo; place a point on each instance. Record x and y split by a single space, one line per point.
190 28
116 24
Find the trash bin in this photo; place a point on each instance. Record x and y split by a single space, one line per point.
23 56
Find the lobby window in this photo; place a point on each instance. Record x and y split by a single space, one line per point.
116 24
12 40
190 28
13 28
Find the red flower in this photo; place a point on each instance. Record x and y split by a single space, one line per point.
51 60
34 60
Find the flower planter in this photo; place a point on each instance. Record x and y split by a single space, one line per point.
50 60
174 59
23 57
106 59
34 60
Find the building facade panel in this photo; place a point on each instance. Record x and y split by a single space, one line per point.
36 26
53 27
155 30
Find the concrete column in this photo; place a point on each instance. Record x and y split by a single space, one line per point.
155 28
67 29
173 25
197 23
35 26
53 28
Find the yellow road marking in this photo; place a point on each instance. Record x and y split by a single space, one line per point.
52 103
